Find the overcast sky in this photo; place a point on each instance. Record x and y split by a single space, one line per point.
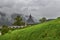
38 8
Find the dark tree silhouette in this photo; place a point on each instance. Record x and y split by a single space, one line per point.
18 21
43 20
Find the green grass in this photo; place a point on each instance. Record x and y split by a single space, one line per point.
45 31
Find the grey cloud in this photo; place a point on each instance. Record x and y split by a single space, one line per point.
39 8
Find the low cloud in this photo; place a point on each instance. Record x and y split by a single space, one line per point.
38 8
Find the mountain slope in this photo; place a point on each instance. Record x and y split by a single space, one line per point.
46 31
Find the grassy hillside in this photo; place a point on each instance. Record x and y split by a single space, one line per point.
46 31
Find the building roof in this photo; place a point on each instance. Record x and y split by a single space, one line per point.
30 20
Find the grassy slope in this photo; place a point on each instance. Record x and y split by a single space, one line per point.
45 31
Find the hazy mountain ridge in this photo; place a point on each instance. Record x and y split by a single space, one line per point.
4 20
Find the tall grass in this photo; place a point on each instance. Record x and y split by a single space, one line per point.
46 31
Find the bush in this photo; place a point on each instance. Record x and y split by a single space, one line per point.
58 17
5 29
43 20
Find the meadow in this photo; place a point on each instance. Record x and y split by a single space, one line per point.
45 31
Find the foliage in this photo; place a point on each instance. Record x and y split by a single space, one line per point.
43 20
58 17
45 31
18 21
5 29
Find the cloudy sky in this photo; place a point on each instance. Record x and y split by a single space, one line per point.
38 8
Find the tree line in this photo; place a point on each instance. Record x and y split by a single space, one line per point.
18 22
